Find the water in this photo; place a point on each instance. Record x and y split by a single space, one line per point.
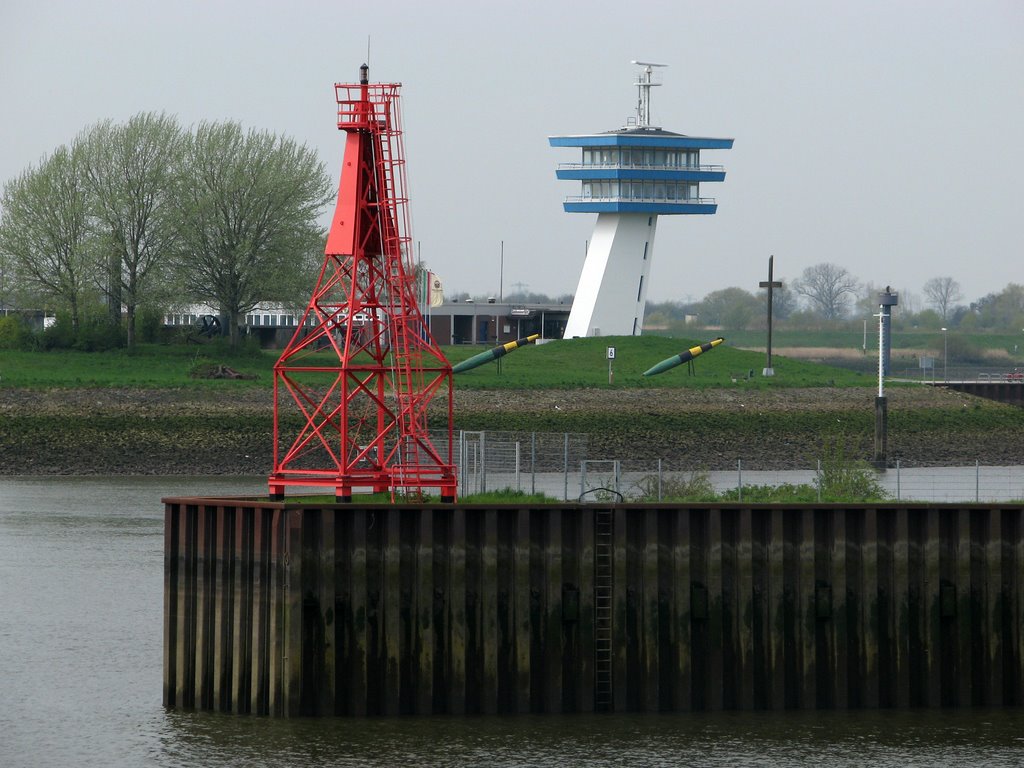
81 611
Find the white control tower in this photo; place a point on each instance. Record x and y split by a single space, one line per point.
629 177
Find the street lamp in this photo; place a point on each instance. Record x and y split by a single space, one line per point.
945 357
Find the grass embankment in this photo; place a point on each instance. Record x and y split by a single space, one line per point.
119 412
558 365
148 367
956 353
854 339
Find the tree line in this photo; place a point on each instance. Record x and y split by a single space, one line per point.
147 215
827 294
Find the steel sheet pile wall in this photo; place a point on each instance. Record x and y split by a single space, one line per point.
1004 391
284 609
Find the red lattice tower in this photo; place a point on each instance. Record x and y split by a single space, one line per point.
362 367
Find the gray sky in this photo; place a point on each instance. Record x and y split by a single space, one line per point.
885 136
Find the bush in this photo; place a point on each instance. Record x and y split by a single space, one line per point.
98 335
696 487
506 496
59 335
13 333
785 493
843 479
94 334
149 324
959 351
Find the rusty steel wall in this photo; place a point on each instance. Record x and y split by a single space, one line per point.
286 609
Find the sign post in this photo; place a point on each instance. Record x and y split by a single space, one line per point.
611 357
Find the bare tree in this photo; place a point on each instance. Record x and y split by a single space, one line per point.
910 302
866 303
943 293
131 169
827 287
44 232
248 212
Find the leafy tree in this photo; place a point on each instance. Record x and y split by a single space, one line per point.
131 171
827 288
248 213
928 319
784 301
5 280
673 312
44 231
732 308
1003 310
943 293
14 334
803 319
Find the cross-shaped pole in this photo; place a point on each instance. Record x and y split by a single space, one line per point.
770 284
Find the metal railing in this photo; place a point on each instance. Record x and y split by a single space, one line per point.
641 167
557 465
631 199
975 374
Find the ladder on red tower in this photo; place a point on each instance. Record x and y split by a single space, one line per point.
388 371
407 358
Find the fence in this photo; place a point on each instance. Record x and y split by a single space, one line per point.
557 465
982 374
522 461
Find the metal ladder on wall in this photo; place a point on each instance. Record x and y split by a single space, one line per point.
603 530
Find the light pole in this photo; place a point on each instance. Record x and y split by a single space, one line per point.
945 356
881 404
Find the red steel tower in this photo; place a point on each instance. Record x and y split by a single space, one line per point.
352 387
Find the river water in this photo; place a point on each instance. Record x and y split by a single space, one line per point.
81 580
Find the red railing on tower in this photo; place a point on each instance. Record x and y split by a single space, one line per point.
353 387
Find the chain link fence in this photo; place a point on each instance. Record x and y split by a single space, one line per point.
530 462
557 465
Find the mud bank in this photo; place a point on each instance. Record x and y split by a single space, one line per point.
143 431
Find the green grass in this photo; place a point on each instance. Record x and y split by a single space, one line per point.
556 365
853 338
584 363
147 367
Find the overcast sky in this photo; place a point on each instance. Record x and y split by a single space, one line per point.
886 136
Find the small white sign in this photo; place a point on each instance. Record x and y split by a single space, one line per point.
611 353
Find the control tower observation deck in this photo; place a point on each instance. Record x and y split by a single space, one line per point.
628 178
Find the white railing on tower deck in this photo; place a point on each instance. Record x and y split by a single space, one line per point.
640 166
620 199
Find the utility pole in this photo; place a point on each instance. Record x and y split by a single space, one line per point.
501 297
770 284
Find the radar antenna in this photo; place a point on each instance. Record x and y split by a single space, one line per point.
644 85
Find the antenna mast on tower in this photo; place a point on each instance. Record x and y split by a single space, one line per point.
644 85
